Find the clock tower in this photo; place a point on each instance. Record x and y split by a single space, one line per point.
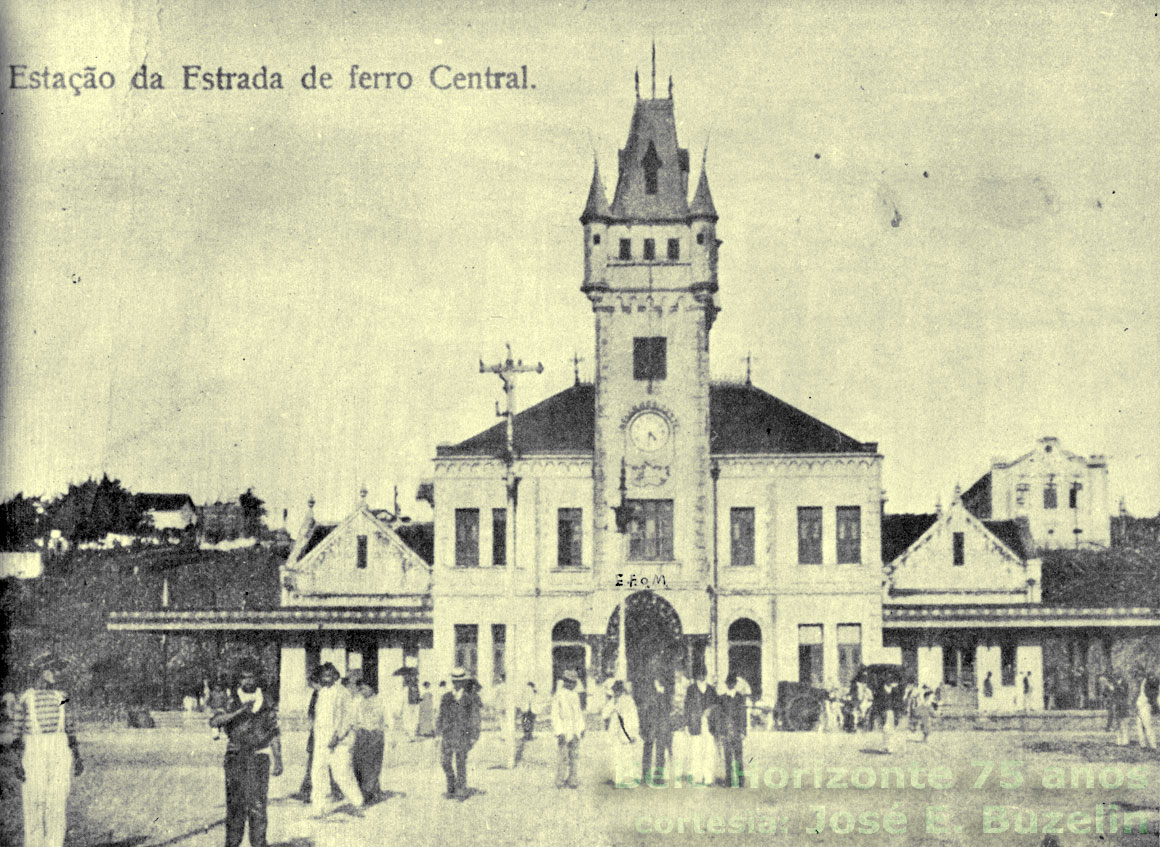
650 271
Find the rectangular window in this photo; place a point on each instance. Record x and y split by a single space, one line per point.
1021 491
849 652
674 249
1050 497
361 556
1007 663
569 538
810 668
498 653
467 647
649 358
651 531
498 538
741 533
958 542
849 535
650 249
625 249
809 535
1073 495
467 538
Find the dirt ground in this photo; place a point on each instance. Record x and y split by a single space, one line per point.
154 788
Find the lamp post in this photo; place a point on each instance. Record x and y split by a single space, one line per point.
624 514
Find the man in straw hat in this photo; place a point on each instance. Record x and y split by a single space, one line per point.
46 743
568 726
251 724
458 728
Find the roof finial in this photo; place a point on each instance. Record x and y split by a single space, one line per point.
749 368
654 69
670 86
362 494
636 78
576 360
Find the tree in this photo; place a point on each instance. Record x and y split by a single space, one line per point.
253 510
21 522
91 510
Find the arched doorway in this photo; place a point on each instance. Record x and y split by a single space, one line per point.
745 653
568 651
653 642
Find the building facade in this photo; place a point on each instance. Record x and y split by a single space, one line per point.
752 534
1062 495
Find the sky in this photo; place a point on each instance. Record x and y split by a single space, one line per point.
939 232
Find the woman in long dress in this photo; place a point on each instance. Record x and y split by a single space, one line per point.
623 735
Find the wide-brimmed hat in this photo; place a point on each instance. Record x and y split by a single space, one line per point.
458 675
571 676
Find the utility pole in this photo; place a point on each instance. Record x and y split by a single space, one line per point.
507 371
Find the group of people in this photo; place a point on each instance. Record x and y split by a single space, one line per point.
1132 701
665 732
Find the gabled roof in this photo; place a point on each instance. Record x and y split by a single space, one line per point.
1016 534
900 531
743 419
164 502
977 498
653 135
318 534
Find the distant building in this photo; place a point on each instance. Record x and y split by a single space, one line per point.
221 521
168 511
1062 495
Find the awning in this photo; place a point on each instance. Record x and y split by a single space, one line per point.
412 616
966 616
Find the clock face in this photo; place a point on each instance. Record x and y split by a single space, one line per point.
649 431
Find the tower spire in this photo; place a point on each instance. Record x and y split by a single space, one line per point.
636 81
654 69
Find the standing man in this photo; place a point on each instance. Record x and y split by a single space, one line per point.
568 726
251 724
334 734
655 729
46 744
458 728
700 698
733 719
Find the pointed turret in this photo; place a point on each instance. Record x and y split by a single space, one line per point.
597 206
702 205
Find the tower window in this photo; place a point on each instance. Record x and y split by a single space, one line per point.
1073 495
1050 496
648 358
741 532
625 249
700 238
674 249
596 238
652 165
959 552
650 249
651 531
361 554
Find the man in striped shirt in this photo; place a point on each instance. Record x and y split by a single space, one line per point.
47 744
